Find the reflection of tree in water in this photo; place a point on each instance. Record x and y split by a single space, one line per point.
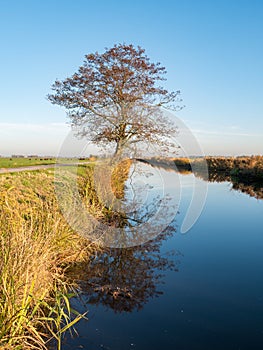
144 210
125 279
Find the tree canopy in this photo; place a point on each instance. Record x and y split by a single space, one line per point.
116 98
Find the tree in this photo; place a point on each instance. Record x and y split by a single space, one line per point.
115 98
126 279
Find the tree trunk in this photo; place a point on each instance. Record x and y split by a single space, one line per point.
118 150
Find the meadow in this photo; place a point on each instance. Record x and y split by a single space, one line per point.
19 162
13 162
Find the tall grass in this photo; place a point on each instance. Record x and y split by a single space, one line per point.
102 197
36 247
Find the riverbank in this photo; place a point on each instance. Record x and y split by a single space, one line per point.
36 248
244 173
245 167
240 167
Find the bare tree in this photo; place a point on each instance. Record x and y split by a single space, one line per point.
115 98
126 279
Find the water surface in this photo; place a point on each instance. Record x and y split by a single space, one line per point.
199 290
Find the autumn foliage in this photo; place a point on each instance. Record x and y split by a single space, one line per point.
115 98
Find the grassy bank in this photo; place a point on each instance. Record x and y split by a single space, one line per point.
241 167
100 198
36 248
246 167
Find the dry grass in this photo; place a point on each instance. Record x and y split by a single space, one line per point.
238 166
36 247
108 188
243 166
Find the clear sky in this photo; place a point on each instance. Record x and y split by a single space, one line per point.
212 50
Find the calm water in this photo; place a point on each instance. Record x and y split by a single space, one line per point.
201 290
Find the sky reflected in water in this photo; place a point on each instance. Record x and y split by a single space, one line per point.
206 285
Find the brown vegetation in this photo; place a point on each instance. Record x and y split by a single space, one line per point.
36 248
240 167
237 166
115 97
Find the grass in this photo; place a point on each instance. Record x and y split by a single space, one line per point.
21 162
36 248
241 167
100 198
9 162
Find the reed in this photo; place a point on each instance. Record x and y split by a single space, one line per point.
36 248
102 196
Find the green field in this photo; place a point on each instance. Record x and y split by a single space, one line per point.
20 162
9 162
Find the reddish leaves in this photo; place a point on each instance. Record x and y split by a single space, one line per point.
115 96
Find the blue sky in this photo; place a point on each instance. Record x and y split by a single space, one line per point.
212 51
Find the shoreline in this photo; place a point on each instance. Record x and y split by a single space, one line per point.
245 168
